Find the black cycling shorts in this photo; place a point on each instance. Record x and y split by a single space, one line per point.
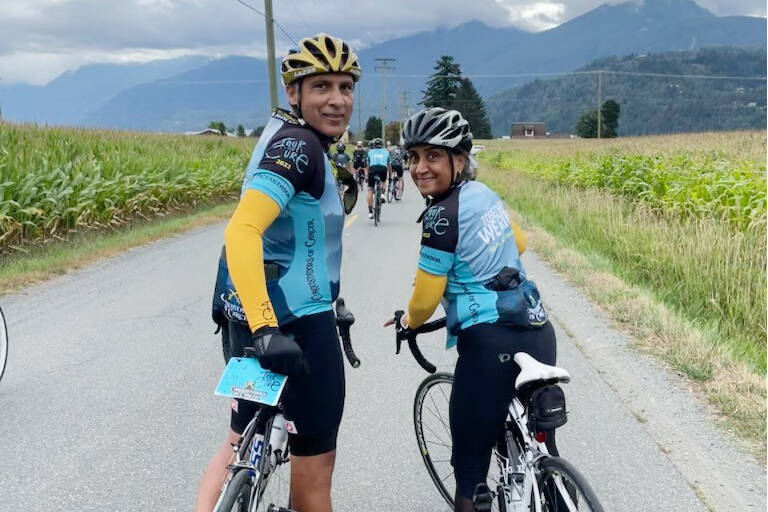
315 401
377 170
398 169
483 386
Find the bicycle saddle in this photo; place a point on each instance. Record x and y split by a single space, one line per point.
531 370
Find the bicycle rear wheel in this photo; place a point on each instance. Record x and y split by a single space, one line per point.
3 343
377 203
390 191
563 488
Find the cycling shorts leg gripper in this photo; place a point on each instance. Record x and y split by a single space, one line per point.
315 401
483 386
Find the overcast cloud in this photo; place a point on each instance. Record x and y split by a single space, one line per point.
40 39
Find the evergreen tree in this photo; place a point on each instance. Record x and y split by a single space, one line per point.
240 131
586 127
610 121
372 128
443 85
471 106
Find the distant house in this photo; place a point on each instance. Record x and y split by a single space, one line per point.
532 129
207 131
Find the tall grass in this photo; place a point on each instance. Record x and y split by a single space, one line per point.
704 256
55 180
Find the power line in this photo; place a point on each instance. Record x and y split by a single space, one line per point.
592 72
273 20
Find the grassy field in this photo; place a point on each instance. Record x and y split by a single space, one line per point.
694 264
55 181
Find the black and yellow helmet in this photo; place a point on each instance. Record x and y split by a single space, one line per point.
320 54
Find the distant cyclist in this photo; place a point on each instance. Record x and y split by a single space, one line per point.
470 260
280 272
378 164
396 155
358 160
341 158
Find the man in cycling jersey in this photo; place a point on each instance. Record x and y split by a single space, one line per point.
470 259
378 164
341 158
397 167
279 274
358 158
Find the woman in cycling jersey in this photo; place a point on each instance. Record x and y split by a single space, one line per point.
279 274
470 259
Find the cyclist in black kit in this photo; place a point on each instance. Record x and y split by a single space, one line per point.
358 160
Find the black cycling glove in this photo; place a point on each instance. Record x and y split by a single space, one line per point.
277 352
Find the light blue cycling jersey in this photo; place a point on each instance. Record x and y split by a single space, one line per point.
467 237
377 156
290 165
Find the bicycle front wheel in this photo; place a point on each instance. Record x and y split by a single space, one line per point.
237 497
3 344
433 433
274 481
563 488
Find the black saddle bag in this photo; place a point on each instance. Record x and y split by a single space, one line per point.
546 408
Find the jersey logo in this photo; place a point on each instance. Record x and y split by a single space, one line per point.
494 223
289 149
434 220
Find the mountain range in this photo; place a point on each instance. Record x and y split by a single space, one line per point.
185 94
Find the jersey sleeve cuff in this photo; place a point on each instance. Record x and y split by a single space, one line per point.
275 186
435 261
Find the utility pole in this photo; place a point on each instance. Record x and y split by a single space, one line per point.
403 109
599 102
384 67
269 20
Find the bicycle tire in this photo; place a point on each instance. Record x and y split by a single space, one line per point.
237 497
548 469
436 454
273 482
377 203
3 343
390 191
433 457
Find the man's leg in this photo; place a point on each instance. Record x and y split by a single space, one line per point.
311 482
214 475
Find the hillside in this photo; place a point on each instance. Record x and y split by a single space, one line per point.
649 104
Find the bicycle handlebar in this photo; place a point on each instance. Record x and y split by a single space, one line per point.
344 320
413 345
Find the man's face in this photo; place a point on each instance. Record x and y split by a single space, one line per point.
326 101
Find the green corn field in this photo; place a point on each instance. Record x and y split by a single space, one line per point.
57 180
683 216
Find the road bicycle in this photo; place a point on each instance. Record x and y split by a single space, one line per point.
392 189
360 176
259 476
522 475
376 200
3 343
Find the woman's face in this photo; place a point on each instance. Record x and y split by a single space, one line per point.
430 168
326 101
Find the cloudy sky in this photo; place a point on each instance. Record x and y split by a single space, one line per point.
40 39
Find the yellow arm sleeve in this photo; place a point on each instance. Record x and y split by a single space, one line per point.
245 256
428 289
520 239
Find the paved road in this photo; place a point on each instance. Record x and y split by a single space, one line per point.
108 404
